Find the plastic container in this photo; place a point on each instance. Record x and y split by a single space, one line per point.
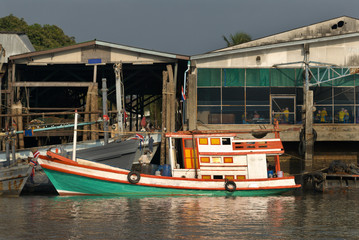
270 173
280 174
166 170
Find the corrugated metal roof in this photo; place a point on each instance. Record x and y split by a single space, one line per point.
101 43
15 43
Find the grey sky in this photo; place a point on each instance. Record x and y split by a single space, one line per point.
176 26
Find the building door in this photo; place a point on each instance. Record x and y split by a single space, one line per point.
282 108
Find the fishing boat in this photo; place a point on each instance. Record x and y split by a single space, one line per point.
210 163
13 178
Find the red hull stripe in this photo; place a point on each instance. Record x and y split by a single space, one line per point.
232 166
156 185
66 161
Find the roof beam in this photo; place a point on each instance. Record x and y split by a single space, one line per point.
52 84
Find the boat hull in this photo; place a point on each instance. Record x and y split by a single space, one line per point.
13 179
71 178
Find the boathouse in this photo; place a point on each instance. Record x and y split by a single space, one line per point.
306 78
42 89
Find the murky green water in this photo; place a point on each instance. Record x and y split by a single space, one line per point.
332 215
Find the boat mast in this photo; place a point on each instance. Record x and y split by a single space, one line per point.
118 71
104 109
75 137
276 135
194 156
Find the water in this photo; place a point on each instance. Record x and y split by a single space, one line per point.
332 215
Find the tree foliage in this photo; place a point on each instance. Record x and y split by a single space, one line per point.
238 38
42 37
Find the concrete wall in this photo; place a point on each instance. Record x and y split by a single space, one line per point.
341 52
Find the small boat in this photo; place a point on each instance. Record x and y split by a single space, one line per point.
216 163
13 178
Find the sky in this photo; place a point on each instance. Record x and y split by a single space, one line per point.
186 27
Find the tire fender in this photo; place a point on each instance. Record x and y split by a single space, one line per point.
230 186
133 177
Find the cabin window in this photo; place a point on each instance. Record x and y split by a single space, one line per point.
188 143
238 145
228 159
203 141
226 141
262 144
229 177
215 141
216 160
217 177
205 160
206 176
241 177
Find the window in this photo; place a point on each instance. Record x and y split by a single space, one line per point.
209 77
239 96
226 141
206 176
203 141
228 159
215 141
232 77
204 159
241 177
216 160
209 96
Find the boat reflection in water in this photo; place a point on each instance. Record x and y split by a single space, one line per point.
308 216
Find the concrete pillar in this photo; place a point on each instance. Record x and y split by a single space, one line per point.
309 136
191 110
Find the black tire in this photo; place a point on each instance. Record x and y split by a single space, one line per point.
230 186
318 182
133 177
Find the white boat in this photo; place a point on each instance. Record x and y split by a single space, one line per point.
200 163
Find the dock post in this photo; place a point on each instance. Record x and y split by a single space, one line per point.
308 120
309 136
104 109
94 110
85 135
192 102
164 115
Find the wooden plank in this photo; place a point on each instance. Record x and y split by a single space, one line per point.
52 84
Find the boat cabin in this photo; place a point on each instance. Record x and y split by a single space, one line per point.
221 156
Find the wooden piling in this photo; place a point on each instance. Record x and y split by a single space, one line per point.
164 115
192 103
85 135
171 93
94 108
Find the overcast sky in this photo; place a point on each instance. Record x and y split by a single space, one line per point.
186 27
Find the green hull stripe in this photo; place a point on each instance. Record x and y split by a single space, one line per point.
84 185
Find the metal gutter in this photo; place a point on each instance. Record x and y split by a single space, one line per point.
271 46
